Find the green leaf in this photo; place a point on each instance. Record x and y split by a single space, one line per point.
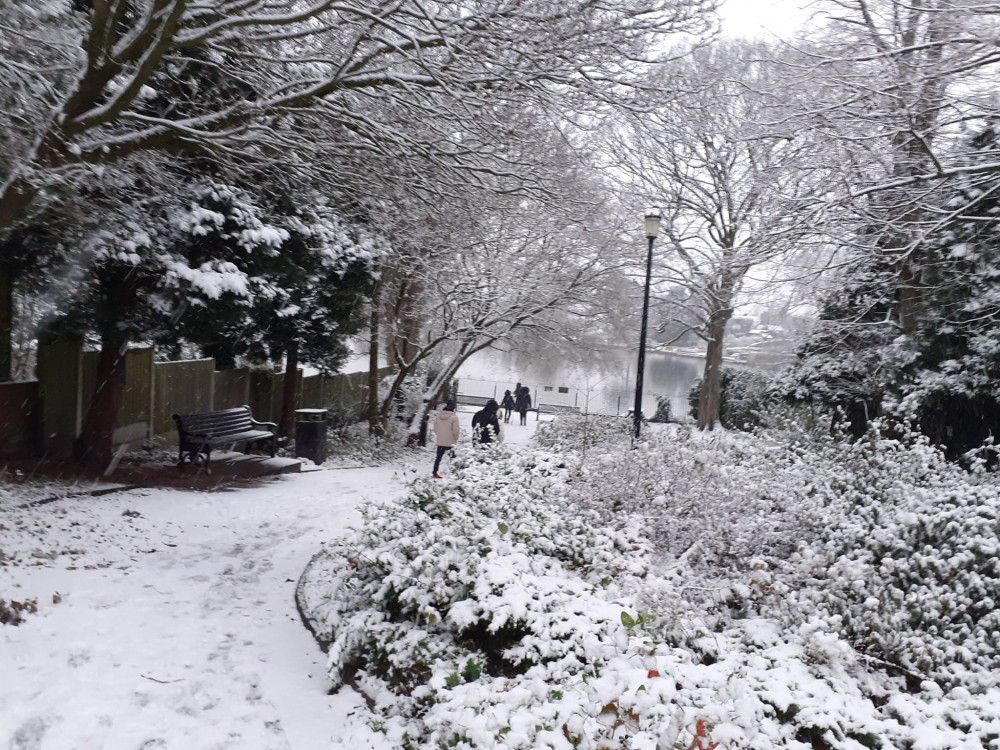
627 620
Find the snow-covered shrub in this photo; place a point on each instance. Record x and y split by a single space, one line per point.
354 445
899 549
909 565
713 498
574 432
662 413
492 611
486 560
745 398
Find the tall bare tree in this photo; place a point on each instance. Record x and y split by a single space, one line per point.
730 182
494 276
340 64
897 85
906 92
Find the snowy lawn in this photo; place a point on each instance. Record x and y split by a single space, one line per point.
175 625
166 618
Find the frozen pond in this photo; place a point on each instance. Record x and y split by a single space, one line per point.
603 382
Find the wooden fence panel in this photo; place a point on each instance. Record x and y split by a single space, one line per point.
262 389
344 394
232 388
59 394
135 413
46 415
137 401
182 388
311 393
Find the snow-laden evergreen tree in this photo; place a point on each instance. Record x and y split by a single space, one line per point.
942 371
953 383
301 276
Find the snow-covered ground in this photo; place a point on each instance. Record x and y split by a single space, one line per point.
166 618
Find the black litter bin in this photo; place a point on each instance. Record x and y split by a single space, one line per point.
310 434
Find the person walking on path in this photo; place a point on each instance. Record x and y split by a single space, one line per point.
508 406
522 402
485 425
446 430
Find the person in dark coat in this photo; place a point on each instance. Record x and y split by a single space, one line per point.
522 402
485 425
508 406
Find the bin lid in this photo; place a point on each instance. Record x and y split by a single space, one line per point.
311 414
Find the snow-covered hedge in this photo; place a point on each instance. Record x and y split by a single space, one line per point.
498 610
718 499
898 549
909 567
573 433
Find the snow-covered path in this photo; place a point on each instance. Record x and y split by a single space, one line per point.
166 618
176 626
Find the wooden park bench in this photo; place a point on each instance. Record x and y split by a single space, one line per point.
200 433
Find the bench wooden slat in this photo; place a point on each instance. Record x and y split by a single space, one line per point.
232 437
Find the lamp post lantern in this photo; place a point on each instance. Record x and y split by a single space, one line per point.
652 229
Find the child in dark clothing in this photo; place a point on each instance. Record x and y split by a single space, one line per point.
508 406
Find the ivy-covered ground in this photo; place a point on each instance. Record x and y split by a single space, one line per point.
770 591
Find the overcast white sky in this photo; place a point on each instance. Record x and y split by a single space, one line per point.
762 18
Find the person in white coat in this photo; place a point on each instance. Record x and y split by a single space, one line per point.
446 430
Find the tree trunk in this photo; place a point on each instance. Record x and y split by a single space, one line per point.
6 323
710 393
286 424
93 446
376 423
15 197
422 436
910 298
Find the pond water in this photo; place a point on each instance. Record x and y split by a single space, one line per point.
602 383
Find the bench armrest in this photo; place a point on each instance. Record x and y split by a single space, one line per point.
273 426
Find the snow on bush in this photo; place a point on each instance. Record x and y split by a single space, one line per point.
898 549
909 567
507 609
717 499
573 433
350 443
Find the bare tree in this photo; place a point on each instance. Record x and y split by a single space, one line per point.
730 183
518 268
340 64
897 86
905 91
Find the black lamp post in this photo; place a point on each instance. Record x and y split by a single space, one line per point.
652 229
